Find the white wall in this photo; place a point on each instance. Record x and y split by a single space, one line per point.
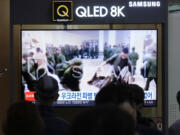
173 65
137 41
74 37
59 37
123 36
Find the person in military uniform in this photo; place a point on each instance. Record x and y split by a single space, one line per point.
28 72
92 51
108 52
81 52
32 64
96 51
59 57
75 51
122 66
70 72
67 52
152 67
133 57
87 50
61 63
51 62
117 67
51 59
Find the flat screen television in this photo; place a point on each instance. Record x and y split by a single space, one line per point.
84 61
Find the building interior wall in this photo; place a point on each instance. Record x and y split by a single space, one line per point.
173 65
4 58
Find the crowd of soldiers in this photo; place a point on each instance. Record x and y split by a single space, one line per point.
66 62
84 51
68 70
111 50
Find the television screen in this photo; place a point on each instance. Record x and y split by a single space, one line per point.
84 61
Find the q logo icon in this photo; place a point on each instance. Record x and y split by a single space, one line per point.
62 11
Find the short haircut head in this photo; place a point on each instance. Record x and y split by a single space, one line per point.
31 53
115 93
23 118
47 88
38 49
178 97
133 48
125 50
138 94
103 120
25 55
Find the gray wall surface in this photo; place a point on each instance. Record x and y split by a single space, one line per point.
173 65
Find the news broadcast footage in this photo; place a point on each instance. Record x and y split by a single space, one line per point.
84 61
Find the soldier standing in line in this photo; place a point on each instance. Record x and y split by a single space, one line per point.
96 51
92 51
60 57
51 59
133 57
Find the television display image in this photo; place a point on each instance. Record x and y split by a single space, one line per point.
84 61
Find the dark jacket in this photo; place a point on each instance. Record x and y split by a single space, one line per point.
151 64
174 128
144 130
53 125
